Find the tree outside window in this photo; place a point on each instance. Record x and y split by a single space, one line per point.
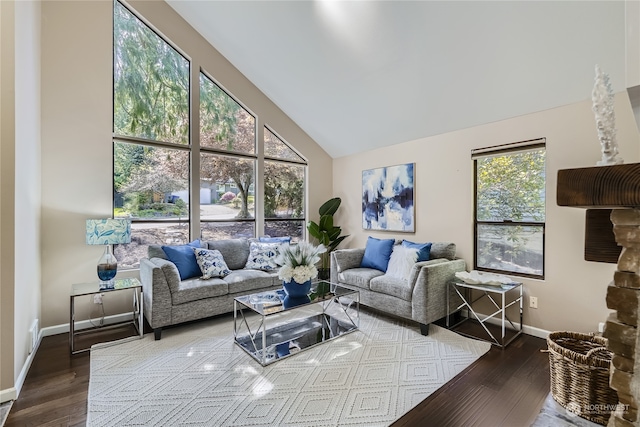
510 211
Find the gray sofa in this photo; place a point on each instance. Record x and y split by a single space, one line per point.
169 300
421 298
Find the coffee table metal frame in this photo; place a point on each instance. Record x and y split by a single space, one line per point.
340 304
502 292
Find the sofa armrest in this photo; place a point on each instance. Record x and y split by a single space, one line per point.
429 301
344 259
156 291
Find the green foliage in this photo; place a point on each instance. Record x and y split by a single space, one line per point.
283 190
325 232
151 83
511 187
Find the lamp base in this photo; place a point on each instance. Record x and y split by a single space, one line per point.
107 269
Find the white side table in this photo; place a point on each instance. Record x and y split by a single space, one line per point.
506 295
81 289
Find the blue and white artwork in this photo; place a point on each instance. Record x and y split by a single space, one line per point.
387 199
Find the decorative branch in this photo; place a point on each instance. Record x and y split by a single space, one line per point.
602 97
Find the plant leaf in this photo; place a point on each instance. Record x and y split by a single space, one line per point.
330 206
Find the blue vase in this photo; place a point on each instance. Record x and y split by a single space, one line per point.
296 293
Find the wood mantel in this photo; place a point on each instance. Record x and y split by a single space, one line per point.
616 186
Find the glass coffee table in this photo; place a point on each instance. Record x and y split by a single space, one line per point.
269 329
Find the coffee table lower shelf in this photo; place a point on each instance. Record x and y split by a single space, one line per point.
271 332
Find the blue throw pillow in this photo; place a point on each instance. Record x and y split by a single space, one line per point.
424 249
377 253
184 258
265 239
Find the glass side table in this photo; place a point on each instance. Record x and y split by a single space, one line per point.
501 297
82 289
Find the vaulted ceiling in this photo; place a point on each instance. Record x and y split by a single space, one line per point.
357 75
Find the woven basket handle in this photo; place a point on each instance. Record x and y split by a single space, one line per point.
594 350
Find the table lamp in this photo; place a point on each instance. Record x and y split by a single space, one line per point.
108 232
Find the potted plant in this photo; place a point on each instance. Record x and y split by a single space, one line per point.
298 267
327 234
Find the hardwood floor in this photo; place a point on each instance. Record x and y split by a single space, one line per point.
503 388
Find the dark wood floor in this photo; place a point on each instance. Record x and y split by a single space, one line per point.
503 388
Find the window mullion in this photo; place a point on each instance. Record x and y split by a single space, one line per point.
194 139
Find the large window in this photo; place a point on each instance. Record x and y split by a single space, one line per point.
510 208
161 162
227 165
284 178
151 156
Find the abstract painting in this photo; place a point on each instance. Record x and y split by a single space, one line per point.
387 199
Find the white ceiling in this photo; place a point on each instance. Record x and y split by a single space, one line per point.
357 75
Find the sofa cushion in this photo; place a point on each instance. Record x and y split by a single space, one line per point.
155 251
234 251
262 256
443 250
347 258
249 280
402 260
184 258
377 253
424 249
196 289
211 263
359 277
392 286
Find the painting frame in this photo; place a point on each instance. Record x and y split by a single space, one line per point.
388 198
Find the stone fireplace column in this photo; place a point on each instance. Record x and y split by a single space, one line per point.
621 328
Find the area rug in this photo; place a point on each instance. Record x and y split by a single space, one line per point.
4 411
197 376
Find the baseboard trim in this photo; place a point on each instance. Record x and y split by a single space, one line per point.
13 392
8 394
529 330
85 324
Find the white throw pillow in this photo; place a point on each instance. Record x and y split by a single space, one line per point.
211 263
401 262
262 256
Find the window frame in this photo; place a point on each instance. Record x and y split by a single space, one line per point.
495 151
305 176
196 149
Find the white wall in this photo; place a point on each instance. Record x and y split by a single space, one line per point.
27 201
7 192
572 296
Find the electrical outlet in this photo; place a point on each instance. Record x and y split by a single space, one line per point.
97 299
533 302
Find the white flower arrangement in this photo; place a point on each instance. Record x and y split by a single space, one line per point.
298 262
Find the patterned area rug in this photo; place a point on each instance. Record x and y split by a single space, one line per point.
4 411
197 376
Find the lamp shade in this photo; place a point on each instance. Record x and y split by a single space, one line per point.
108 231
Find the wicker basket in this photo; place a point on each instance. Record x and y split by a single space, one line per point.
579 366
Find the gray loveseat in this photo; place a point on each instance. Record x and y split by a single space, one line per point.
169 300
421 298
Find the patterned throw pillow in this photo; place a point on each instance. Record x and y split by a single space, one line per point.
262 256
211 263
